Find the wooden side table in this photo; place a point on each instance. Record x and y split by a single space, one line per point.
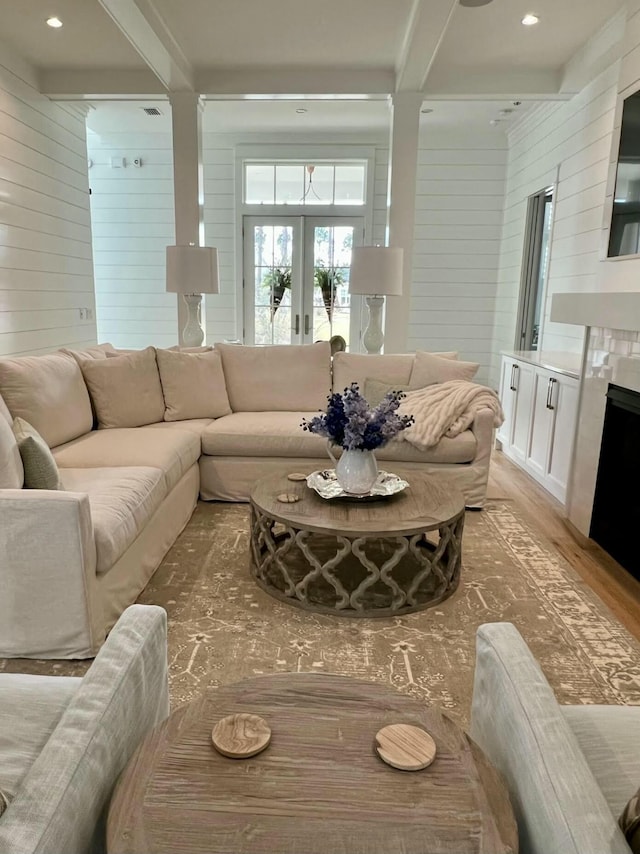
358 558
318 788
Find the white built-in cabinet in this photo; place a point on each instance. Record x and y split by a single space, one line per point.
540 407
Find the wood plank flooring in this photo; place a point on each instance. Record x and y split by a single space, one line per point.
619 590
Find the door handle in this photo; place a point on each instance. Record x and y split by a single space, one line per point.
306 324
514 369
550 393
297 324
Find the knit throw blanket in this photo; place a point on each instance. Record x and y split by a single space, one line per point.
446 409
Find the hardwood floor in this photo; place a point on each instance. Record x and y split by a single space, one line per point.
613 584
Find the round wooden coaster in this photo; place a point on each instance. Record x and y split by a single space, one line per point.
241 736
288 498
296 475
409 748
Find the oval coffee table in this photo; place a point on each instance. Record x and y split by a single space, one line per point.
318 788
358 558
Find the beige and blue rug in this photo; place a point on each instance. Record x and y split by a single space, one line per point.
223 628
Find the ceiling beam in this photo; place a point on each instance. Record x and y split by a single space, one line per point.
142 25
428 23
495 84
300 82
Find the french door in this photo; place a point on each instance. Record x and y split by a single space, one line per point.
296 279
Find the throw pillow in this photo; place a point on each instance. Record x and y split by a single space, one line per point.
630 823
11 470
429 369
193 385
40 469
125 390
375 390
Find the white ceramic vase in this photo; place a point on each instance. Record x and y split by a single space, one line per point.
356 471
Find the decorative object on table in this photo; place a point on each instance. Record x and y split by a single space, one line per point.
241 736
326 484
192 271
376 272
406 747
288 498
278 281
296 476
351 424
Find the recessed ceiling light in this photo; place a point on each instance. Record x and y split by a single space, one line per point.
530 20
473 3
54 22
426 110
301 110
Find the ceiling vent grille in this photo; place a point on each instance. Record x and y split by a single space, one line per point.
152 111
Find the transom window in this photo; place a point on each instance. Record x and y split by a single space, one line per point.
303 183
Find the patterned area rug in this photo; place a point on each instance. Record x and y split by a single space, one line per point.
223 628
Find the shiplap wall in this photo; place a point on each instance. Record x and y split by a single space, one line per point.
133 221
459 210
46 273
573 137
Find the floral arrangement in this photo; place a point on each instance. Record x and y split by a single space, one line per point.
353 425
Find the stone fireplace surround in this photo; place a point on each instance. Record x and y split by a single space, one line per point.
611 355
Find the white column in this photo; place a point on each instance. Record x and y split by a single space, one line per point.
401 211
188 187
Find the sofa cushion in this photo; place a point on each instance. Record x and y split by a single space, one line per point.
122 501
606 735
462 449
193 425
262 434
4 411
392 368
30 708
39 465
430 368
193 385
293 378
99 351
125 390
49 393
173 451
11 469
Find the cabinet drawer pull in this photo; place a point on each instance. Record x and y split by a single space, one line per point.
514 374
550 393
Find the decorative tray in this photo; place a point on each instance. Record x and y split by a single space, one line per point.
325 483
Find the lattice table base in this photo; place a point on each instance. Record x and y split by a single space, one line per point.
363 576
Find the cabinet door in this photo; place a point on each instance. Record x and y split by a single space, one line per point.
538 451
521 421
565 414
506 399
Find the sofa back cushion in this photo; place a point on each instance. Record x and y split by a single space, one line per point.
358 367
99 351
193 385
11 470
431 368
125 390
287 378
49 393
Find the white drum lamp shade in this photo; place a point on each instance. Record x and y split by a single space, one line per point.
376 272
192 271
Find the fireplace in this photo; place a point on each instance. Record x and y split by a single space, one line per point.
615 523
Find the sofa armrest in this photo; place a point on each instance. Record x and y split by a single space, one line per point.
517 721
49 607
483 429
61 804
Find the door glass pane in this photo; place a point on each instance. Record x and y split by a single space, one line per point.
273 248
331 300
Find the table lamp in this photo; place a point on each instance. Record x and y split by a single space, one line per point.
192 271
376 272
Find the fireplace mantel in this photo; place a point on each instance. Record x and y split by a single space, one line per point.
608 310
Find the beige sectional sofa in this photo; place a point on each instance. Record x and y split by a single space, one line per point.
74 559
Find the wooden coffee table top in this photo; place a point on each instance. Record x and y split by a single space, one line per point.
318 788
429 502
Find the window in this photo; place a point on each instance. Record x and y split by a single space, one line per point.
535 265
302 183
